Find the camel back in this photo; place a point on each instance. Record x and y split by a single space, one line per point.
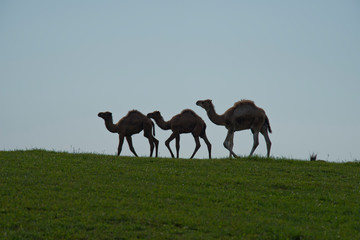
134 112
242 104
133 116
189 111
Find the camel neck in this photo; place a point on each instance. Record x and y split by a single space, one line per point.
214 117
111 126
162 124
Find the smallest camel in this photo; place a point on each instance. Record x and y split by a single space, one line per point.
133 123
185 122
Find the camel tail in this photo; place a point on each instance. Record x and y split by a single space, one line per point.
268 124
153 125
203 131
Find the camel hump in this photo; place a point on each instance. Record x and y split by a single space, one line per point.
133 116
246 107
188 111
244 102
131 112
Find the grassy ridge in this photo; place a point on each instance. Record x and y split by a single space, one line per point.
49 195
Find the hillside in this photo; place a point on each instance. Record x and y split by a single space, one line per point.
51 195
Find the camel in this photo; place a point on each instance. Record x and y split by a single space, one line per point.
133 123
185 122
243 115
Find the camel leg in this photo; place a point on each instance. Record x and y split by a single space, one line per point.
156 142
167 143
264 132
231 145
121 141
177 139
152 141
256 142
197 145
129 140
207 143
228 143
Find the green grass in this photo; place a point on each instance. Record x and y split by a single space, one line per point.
50 195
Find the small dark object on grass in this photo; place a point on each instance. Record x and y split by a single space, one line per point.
313 157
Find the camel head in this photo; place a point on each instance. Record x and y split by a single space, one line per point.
206 104
154 115
105 115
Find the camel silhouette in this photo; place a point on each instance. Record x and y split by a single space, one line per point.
185 122
243 115
133 123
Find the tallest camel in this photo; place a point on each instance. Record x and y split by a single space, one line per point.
243 115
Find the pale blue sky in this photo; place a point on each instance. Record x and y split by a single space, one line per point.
62 62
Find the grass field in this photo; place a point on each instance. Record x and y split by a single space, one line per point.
51 195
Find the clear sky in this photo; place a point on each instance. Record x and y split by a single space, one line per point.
62 62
